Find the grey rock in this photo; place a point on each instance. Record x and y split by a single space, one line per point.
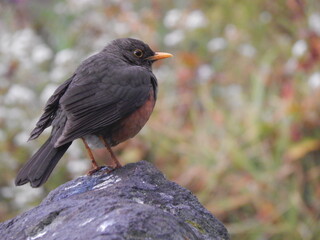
133 202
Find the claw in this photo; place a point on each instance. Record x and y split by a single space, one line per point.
94 170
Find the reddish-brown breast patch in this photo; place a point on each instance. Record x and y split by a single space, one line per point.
131 125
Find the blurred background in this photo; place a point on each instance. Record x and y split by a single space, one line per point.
237 119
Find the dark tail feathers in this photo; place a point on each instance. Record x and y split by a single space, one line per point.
40 165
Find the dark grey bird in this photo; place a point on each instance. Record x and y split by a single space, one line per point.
109 98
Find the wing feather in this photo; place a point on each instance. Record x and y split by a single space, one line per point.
50 110
94 105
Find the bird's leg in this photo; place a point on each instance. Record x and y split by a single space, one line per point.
95 166
114 158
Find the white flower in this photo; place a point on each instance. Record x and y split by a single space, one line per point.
174 38
314 80
172 18
299 48
64 56
216 44
195 19
205 72
19 94
314 22
41 53
247 50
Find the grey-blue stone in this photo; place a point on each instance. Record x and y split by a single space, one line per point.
133 202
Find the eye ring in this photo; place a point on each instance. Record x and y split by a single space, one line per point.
138 53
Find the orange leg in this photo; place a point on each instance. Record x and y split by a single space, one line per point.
114 158
95 166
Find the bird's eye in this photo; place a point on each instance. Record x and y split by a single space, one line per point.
138 53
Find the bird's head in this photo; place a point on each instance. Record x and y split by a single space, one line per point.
135 52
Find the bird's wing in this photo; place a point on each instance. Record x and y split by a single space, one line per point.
50 110
93 104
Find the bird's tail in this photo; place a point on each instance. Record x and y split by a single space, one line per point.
40 165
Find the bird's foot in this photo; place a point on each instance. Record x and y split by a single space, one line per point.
94 170
112 168
109 169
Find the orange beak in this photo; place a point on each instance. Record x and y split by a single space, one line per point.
160 55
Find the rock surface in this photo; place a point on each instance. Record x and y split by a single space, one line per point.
133 202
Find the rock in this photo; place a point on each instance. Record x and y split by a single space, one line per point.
133 202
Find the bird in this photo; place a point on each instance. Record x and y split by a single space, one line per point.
106 101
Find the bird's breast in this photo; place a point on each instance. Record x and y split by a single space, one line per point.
131 125
125 128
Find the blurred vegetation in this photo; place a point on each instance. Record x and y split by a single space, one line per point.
238 114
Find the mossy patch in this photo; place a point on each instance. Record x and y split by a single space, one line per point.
197 226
